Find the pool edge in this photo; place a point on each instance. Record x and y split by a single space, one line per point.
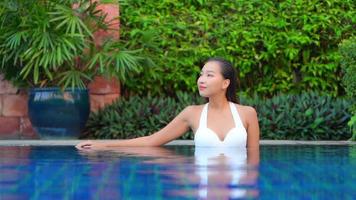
175 142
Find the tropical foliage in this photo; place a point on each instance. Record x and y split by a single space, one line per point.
51 43
291 46
348 63
299 117
307 116
137 116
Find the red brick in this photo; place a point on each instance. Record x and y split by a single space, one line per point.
110 98
101 85
27 132
9 127
1 104
112 18
96 102
100 101
15 105
6 87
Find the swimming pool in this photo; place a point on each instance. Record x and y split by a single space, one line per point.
178 172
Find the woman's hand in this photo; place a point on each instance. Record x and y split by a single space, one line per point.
86 145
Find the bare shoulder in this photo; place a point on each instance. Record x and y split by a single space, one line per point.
248 115
247 112
193 109
247 109
191 114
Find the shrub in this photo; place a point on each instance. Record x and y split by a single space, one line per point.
299 117
137 116
291 46
348 62
308 116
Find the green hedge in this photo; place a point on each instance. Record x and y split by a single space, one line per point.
298 117
291 46
348 63
308 116
137 116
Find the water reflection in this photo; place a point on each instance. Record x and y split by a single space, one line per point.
178 172
202 173
224 173
13 169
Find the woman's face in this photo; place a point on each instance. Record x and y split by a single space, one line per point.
211 81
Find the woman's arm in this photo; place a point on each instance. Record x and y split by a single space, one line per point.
253 137
253 129
177 127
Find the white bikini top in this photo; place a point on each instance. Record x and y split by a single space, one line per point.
235 137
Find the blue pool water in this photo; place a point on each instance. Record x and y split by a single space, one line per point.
178 172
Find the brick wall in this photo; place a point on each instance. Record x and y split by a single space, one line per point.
14 121
103 92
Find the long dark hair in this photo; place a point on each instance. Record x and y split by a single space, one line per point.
228 72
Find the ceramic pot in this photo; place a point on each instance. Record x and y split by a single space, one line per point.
57 114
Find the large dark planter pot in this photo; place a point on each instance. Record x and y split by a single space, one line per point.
57 114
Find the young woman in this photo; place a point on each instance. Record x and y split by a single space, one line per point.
221 122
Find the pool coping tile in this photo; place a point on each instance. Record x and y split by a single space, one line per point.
175 142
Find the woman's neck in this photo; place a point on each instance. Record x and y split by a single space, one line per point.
218 102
